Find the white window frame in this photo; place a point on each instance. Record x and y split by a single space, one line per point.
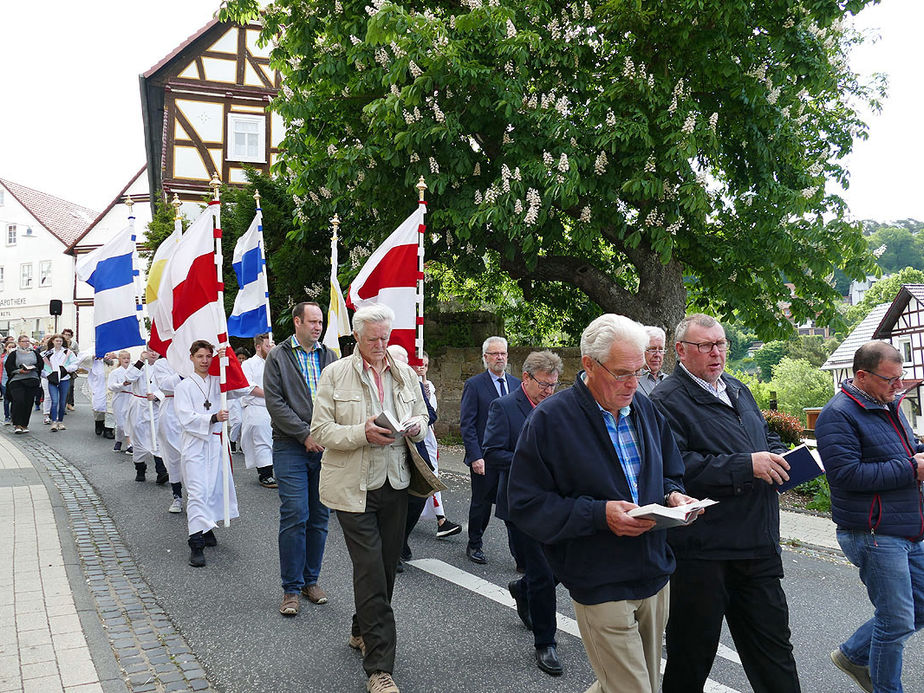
907 352
45 267
234 153
25 278
2 277
11 234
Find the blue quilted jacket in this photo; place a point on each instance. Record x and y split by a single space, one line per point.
867 450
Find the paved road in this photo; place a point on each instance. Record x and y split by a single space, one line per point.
456 629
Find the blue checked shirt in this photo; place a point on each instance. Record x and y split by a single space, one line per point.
309 362
622 433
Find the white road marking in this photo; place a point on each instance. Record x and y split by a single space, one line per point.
489 590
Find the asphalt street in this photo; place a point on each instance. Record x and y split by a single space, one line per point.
456 630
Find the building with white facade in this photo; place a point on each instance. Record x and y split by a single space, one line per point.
34 269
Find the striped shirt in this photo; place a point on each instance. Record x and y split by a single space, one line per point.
309 363
717 390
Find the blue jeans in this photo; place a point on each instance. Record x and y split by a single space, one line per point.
892 568
302 516
58 393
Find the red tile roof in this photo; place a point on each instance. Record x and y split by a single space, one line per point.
64 220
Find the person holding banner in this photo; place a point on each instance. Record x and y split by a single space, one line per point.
197 400
120 388
144 409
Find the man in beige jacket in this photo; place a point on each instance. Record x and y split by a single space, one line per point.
365 475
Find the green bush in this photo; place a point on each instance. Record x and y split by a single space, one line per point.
787 427
798 384
759 389
819 490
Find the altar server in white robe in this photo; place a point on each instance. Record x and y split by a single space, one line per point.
144 444
256 429
165 379
121 401
198 408
96 382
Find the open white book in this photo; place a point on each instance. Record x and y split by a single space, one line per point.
387 420
666 517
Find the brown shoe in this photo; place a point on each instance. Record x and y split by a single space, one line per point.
381 682
290 604
357 643
314 594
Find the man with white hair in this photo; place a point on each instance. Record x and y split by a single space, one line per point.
477 394
728 563
366 473
585 458
654 360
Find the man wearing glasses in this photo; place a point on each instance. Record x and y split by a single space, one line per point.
875 468
728 561
477 394
654 360
534 593
584 459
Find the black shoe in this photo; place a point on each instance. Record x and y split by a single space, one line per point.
140 469
476 556
514 587
406 554
400 567
447 529
118 446
162 478
196 555
110 434
100 425
547 660
210 539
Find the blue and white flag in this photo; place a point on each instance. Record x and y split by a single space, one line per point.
250 315
110 270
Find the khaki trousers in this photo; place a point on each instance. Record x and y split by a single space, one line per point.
623 642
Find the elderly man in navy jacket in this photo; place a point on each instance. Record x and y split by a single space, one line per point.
477 394
534 593
875 468
585 458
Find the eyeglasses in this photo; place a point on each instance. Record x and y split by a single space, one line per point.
706 347
891 381
495 353
654 350
542 385
622 378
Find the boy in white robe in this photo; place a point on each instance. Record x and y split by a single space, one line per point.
256 428
96 381
169 433
121 401
144 441
197 400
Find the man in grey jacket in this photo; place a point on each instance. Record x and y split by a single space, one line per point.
290 383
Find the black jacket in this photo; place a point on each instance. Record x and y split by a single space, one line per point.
716 442
565 469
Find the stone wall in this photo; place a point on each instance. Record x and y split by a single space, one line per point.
451 369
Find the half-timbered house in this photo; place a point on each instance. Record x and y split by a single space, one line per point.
205 111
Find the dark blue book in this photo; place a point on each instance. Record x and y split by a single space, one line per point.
804 465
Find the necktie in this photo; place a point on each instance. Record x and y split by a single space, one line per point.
503 386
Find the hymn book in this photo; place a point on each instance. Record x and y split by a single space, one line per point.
666 517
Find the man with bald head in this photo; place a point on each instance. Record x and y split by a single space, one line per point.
875 467
728 561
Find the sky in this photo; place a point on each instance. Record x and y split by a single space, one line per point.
70 121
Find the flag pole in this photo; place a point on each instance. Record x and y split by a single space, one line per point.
215 184
418 343
269 319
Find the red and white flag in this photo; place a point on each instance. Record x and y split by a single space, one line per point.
187 305
393 275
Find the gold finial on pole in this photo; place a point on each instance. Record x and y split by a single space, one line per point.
421 188
129 203
215 184
335 222
176 205
256 196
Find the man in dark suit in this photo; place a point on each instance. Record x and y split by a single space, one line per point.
477 394
534 593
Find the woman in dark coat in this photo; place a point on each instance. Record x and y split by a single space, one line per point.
23 368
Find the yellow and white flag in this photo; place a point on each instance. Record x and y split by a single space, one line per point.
338 322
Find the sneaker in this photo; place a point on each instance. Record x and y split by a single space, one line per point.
314 594
117 447
7 421
176 506
61 426
269 482
47 420
859 674
23 429
129 450
381 682
69 407
290 604
17 430
356 642
54 427
447 529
